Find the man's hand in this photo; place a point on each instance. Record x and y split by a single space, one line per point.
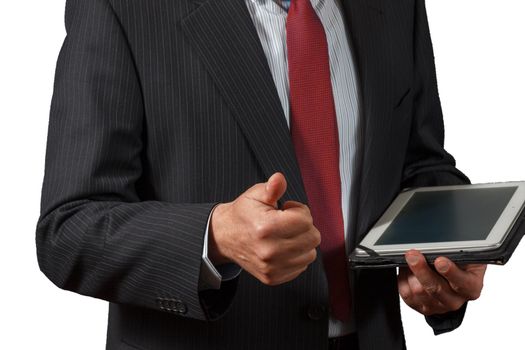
273 245
430 292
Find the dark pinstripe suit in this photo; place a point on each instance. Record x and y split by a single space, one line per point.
162 108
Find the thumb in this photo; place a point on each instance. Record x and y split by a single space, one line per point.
274 189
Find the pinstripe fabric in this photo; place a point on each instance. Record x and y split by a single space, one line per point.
270 22
163 108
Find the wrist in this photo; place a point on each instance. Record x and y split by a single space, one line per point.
217 251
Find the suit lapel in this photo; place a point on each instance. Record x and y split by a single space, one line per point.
223 34
366 20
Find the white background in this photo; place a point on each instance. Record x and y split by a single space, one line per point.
480 57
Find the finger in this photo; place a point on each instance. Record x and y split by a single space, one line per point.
292 204
294 221
273 276
425 301
300 261
431 289
425 309
419 267
274 189
286 248
295 214
406 293
268 193
465 283
304 241
296 207
414 295
477 270
290 276
402 284
295 274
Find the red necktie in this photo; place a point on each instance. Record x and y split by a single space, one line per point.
314 132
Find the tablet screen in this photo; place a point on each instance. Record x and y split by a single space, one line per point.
446 216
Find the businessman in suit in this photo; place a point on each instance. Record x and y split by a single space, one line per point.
210 163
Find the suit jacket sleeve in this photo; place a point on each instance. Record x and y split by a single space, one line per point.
95 236
427 163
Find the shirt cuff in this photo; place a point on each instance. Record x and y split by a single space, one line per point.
447 322
211 276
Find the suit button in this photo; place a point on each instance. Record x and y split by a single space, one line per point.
161 302
172 305
180 307
316 311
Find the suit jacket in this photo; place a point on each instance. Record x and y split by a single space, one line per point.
163 108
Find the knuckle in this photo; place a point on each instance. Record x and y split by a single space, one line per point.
265 269
267 280
433 289
268 277
424 310
418 290
427 310
304 222
309 218
404 293
266 255
262 230
273 282
475 295
263 279
455 288
307 211
317 238
475 292
313 256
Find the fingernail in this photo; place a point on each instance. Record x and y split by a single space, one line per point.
442 266
412 260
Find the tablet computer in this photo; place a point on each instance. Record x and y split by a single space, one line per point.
445 220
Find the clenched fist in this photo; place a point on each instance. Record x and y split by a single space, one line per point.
274 245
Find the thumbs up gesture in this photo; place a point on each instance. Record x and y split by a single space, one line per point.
274 245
